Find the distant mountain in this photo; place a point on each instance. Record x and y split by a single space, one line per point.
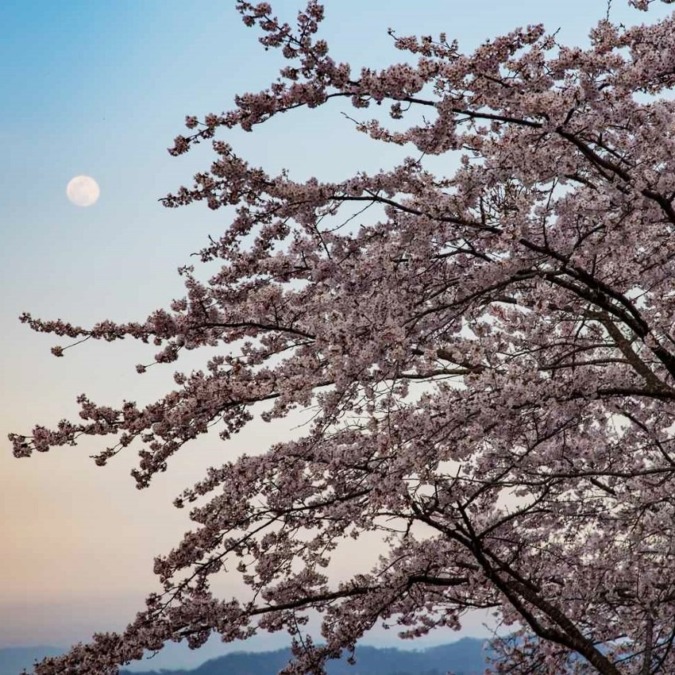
14 659
464 657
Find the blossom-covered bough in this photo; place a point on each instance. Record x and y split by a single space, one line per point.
489 356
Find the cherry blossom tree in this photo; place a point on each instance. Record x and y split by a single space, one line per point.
489 357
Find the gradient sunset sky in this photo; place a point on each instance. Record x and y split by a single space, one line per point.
101 88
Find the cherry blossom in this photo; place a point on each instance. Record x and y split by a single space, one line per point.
489 356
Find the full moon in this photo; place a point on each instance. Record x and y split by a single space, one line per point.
83 190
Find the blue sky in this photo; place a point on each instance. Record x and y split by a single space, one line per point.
101 88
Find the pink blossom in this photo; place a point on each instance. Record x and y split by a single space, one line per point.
488 354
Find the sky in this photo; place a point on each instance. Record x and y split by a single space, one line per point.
101 89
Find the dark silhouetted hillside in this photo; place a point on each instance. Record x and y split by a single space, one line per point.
464 657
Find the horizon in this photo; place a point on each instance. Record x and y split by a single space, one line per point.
175 657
